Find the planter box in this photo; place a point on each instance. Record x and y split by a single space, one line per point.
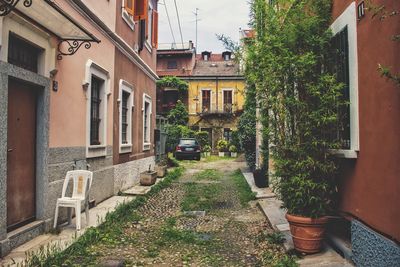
260 178
233 154
161 171
148 178
221 154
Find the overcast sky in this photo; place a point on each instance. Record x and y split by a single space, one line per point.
216 16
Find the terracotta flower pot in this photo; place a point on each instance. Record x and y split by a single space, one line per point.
148 178
307 233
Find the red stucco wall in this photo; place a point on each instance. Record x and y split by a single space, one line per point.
370 185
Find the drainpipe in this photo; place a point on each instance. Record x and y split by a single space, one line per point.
216 98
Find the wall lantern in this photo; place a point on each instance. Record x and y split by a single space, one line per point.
361 10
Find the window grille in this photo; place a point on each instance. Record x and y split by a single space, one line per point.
340 66
146 122
95 111
124 116
23 54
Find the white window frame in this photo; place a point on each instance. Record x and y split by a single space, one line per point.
124 86
94 69
147 99
349 18
128 18
223 98
201 99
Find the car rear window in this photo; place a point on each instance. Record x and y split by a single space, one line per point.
188 142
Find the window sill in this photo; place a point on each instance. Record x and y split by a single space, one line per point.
96 151
125 148
344 153
146 146
128 19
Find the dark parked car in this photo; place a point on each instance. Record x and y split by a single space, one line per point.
188 148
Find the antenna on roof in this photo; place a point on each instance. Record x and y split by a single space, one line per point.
196 14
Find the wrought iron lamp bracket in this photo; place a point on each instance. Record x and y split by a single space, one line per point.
72 46
6 6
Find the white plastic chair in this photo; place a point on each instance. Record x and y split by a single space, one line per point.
82 181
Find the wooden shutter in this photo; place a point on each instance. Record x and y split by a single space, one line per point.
141 7
130 7
154 40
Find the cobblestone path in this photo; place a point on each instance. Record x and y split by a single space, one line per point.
199 220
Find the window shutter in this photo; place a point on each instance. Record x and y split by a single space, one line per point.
141 7
155 29
129 7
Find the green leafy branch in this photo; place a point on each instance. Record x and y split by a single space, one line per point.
383 13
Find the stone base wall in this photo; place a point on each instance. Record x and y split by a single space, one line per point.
371 249
64 159
126 174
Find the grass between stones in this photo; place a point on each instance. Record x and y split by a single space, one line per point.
244 190
200 197
208 174
80 252
152 230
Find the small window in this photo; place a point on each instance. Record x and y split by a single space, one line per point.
95 119
172 64
23 54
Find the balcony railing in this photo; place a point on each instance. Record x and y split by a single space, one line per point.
226 109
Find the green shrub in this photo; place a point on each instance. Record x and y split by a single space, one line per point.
247 130
178 115
299 97
233 149
206 148
236 140
222 145
202 138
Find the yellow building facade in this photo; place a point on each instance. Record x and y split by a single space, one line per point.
215 97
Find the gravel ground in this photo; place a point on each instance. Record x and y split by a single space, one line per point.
227 235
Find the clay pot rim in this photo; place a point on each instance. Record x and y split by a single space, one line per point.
306 220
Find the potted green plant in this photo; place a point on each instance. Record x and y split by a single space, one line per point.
301 104
222 146
148 177
207 150
233 150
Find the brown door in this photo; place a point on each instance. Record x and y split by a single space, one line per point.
21 151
